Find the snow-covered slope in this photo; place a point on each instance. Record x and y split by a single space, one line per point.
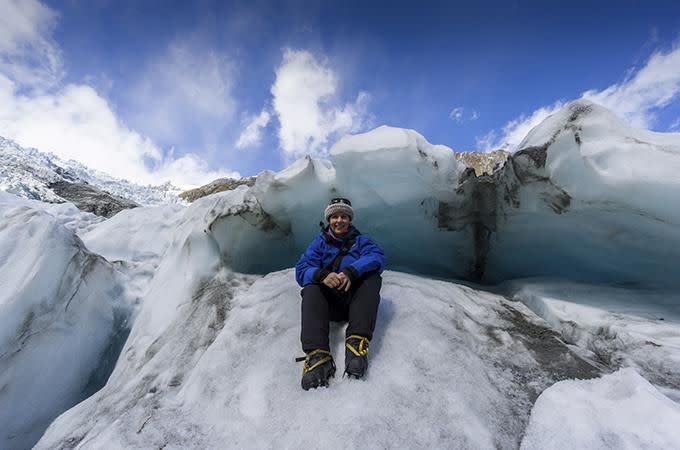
209 358
29 173
452 367
63 314
135 242
621 411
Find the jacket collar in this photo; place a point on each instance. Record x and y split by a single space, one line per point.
333 239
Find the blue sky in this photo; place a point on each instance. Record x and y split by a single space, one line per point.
189 91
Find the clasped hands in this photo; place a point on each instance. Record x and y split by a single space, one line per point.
338 281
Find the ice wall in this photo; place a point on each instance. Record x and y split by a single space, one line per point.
589 198
62 320
586 197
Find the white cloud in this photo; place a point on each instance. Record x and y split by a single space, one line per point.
652 87
456 114
252 134
637 99
514 131
28 54
188 171
186 91
305 101
75 121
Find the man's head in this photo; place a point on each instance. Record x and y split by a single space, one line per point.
339 215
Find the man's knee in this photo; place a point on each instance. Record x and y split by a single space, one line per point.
314 293
373 276
310 289
369 289
371 280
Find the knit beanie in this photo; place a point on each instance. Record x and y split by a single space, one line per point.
336 206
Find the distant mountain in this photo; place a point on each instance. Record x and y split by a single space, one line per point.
32 174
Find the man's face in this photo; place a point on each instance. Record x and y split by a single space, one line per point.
339 223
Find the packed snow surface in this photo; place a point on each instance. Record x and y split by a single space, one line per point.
447 371
621 411
619 327
451 367
212 308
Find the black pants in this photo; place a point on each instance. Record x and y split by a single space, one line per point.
320 304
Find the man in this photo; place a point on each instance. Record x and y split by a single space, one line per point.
340 276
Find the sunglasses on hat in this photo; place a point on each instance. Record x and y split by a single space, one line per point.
340 200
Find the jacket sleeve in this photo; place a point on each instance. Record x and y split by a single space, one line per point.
309 268
371 258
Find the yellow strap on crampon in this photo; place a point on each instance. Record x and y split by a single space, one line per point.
306 367
362 350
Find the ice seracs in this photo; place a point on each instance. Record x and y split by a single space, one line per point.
63 320
589 198
32 174
576 201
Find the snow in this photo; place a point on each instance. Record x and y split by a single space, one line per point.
134 236
212 309
614 164
135 243
612 187
444 373
636 169
622 327
60 309
64 213
28 173
621 410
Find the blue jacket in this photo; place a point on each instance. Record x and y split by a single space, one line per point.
364 256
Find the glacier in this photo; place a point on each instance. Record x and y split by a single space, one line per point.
446 372
30 173
509 295
63 317
586 198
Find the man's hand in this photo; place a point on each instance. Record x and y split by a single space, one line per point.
345 282
332 280
338 281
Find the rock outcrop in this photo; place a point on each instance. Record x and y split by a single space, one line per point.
483 163
90 199
219 185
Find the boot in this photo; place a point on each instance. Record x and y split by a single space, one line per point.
318 368
356 356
